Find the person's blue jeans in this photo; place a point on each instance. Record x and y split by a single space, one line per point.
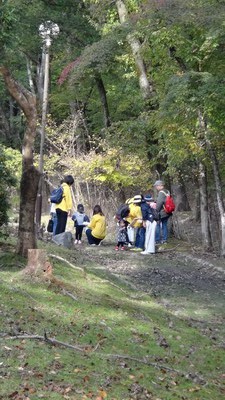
161 233
54 218
140 238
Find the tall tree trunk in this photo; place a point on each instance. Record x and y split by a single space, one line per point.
217 179
219 194
30 175
206 238
197 211
29 74
146 86
180 195
103 97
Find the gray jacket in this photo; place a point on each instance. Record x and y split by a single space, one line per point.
160 203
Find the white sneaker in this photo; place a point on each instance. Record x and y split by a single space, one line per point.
146 253
75 241
79 241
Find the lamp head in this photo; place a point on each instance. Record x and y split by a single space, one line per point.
48 30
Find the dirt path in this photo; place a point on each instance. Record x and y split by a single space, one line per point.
187 282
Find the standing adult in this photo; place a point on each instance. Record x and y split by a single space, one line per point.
150 216
161 234
96 229
63 209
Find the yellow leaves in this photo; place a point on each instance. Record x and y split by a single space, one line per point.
77 370
194 389
101 395
102 178
113 167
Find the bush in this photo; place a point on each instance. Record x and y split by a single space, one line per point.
7 180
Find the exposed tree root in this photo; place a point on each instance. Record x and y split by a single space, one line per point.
143 361
66 293
46 339
89 350
67 262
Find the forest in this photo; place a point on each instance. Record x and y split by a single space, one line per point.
135 93
115 94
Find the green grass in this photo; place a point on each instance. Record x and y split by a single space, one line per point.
119 331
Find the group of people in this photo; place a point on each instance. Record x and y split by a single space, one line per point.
96 227
141 223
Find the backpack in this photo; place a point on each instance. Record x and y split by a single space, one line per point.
79 218
169 205
123 211
50 226
57 195
153 215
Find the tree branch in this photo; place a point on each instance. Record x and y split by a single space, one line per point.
46 339
67 262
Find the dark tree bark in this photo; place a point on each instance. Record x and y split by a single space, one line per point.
217 178
197 210
206 237
30 175
103 97
219 194
180 196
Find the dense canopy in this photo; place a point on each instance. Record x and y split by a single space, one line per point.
136 93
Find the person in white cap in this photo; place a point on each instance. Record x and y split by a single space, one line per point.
150 216
161 233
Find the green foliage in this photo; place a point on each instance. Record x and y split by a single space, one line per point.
182 46
187 94
99 56
114 168
7 180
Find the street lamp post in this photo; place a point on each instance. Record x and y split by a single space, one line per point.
48 30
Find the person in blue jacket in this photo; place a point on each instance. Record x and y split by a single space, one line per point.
150 218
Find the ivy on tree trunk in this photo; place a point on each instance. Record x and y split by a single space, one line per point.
30 175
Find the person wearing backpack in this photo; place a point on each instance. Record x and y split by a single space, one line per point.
161 234
63 209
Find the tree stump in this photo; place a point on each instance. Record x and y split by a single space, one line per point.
38 264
